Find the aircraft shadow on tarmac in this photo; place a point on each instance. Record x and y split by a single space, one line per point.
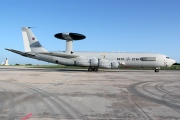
67 70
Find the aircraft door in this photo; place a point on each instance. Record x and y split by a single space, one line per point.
103 56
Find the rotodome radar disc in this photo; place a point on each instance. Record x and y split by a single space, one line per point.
70 36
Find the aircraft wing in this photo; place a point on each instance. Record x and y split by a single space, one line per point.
57 54
20 53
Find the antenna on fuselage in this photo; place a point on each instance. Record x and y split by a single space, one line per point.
69 37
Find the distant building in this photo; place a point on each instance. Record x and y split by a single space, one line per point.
5 62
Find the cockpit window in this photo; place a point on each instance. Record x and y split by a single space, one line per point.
168 57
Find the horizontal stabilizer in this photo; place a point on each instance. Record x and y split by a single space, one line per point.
21 53
57 54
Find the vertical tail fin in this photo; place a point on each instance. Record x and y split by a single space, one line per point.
26 42
31 43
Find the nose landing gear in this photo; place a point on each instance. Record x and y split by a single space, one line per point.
157 69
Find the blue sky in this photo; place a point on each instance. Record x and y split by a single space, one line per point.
109 25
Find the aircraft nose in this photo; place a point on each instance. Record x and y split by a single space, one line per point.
170 62
173 62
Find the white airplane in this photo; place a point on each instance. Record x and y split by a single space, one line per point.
92 60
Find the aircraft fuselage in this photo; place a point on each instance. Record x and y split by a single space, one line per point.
125 59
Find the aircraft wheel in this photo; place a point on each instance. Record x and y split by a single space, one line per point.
156 70
89 69
92 69
96 69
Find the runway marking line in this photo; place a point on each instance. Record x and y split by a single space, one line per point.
28 116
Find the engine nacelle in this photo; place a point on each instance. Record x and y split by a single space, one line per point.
94 62
108 64
82 61
115 64
104 63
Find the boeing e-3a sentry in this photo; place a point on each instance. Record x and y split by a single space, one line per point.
92 60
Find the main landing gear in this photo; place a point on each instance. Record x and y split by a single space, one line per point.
93 69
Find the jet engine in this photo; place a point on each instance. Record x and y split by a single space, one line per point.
104 63
94 62
84 61
108 64
115 64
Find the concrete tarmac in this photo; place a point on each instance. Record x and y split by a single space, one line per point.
54 94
